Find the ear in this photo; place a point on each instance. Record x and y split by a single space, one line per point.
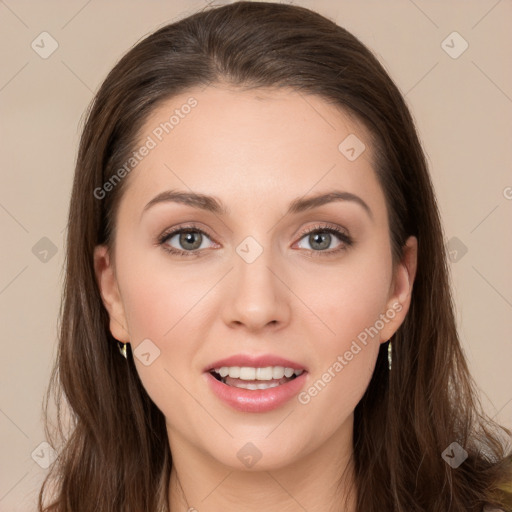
109 290
401 289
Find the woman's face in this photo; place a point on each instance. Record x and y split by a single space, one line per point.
253 283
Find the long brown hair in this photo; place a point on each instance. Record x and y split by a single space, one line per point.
114 454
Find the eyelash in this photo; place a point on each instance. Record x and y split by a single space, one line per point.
346 240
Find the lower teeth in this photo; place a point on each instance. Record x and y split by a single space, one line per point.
252 386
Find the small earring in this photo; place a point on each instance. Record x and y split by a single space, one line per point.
122 349
390 359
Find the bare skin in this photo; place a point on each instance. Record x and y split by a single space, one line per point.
256 151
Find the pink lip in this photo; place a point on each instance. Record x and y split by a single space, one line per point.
258 400
255 362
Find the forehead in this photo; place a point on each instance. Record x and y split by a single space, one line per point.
256 145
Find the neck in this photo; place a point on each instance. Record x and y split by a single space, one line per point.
317 481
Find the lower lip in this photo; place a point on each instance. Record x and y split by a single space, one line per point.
257 400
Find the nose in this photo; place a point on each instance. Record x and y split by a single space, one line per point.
257 297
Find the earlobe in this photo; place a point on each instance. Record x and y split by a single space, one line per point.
402 284
109 291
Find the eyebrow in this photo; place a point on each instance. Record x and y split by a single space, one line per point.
215 205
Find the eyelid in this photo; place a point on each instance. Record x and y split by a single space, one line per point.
346 240
169 233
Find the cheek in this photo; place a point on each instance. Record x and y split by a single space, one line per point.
163 308
344 361
350 307
161 305
348 298
158 299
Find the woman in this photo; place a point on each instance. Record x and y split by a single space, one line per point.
253 225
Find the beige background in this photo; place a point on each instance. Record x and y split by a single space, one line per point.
462 107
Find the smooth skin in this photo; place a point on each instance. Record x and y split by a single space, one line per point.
255 151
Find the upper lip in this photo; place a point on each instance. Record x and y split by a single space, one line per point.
253 361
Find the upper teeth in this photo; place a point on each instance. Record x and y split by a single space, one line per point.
247 373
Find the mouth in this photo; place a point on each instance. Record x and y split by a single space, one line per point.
255 389
255 383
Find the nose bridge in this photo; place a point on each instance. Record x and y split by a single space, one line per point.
252 268
257 297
